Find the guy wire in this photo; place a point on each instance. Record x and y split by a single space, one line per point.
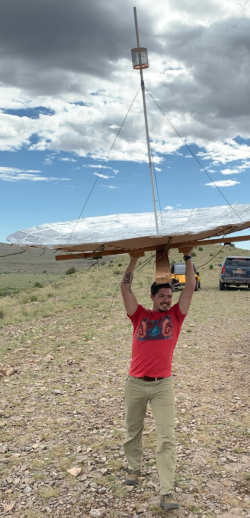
104 162
193 154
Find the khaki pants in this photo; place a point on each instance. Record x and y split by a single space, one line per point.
161 396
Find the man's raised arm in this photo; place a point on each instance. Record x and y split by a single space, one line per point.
129 299
187 292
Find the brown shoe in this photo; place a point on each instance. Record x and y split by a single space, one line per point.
167 503
132 478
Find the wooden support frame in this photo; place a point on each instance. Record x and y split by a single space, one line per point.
181 245
162 274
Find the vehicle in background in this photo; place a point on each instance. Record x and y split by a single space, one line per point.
235 271
178 273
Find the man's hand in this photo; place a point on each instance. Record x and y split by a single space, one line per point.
136 253
187 250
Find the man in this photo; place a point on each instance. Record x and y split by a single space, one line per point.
155 334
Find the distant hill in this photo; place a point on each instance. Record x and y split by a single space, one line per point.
36 260
39 261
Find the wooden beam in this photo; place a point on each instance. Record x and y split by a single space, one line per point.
99 255
163 273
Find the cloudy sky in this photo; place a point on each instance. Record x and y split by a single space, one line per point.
72 133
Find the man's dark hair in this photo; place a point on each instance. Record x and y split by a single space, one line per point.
156 287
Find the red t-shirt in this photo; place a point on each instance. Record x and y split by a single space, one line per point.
154 339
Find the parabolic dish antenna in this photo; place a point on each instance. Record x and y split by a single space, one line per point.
125 233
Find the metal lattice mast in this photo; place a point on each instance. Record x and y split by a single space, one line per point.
140 61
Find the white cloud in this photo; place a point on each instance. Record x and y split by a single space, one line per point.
49 159
109 186
236 170
67 159
225 152
13 174
168 207
222 183
92 166
102 175
15 131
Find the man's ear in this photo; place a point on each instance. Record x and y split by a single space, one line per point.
151 296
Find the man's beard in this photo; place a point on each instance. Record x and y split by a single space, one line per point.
166 308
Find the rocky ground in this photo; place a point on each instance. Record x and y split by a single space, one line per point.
62 416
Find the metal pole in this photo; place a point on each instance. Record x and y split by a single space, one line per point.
146 126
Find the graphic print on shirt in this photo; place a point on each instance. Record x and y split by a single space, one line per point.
161 329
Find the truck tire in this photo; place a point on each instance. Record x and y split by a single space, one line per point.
222 285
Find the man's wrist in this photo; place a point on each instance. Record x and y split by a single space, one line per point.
186 257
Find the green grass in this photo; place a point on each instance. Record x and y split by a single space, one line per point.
12 283
48 492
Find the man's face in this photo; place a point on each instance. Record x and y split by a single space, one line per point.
162 300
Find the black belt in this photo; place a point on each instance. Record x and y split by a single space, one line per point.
148 378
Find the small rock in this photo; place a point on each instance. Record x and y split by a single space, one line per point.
9 507
10 371
74 471
97 512
4 448
27 490
49 358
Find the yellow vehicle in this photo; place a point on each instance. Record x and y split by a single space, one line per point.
178 273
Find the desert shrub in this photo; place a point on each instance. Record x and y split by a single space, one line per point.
71 270
193 254
211 267
200 248
38 285
33 298
1 314
5 292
